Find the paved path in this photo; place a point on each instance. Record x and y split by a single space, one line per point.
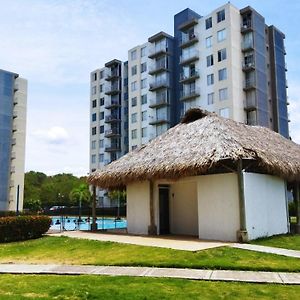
265 249
197 274
172 242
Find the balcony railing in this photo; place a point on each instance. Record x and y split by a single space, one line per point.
159 84
158 51
112 148
249 84
13 141
249 65
247 45
113 89
250 104
159 120
192 75
112 132
15 114
12 169
189 57
13 155
188 39
189 94
112 103
157 68
112 118
113 74
246 26
162 101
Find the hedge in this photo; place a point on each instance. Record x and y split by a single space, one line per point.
23 227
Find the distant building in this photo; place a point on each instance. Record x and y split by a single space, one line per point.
229 62
13 102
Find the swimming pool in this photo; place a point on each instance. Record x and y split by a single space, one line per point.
71 223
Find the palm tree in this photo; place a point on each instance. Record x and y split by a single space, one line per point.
81 193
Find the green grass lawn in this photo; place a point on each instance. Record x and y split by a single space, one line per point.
287 241
63 250
104 287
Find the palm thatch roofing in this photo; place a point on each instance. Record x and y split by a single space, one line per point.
204 143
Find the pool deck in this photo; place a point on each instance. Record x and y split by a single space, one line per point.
173 242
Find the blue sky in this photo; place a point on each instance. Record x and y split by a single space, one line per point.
56 44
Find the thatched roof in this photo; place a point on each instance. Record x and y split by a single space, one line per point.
200 144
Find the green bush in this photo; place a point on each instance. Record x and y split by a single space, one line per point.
23 227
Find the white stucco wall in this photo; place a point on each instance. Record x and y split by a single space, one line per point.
218 207
265 200
138 207
184 208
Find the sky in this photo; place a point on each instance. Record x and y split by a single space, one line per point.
55 44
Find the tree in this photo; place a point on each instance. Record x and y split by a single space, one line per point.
118 195
80 194
33 205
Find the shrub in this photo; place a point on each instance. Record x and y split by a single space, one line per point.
23 227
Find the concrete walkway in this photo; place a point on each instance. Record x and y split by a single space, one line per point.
265 249
172 242
217 275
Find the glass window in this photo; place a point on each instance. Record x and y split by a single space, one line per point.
222 54
208 42
93 146
94 117
94 103
134 101
101 115
133 70
94 90
93 159
133 55
224 112
94 76
133 86
143 51
221 35
101 157
94 130
222 74
144 83
101 143
134 147
223 94
101 74
208 23
101 88
102 129
101 101
144 99
134 134
210 79
144 115
210 60
143 67
210 98
220 15
144 132
134 118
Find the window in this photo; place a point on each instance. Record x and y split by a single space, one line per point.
101 115
101 88
101 143
208 42
210 98
210 60
94 76
221 35
94 90
133 70
93 159
134 118
143 67
223 94
101 74
144 99
102 129
101 158
133 86
134 134
224 112
143 51
143 83
208 23
101 101
134 147
220 15
222 74
222 54
210 79
93 146
144 132
94 130
144 115
133 55
94 117
134 101
94 103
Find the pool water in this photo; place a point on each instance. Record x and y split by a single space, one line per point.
71 223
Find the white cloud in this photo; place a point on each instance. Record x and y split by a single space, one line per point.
54 135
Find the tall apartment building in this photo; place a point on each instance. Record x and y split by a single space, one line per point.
13 101
229 62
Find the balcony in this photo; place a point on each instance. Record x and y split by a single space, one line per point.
112 148
13 155
158 51
250 104
246 26
112 90
112 104
14 128
13 141
247 46
16 100
187 95
249 84
112 75
15 114
191 76
112 119
16 86
158 84
189 57
12 184
158 68
159 120
248 66
155 103
114 132
12 169
188 39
